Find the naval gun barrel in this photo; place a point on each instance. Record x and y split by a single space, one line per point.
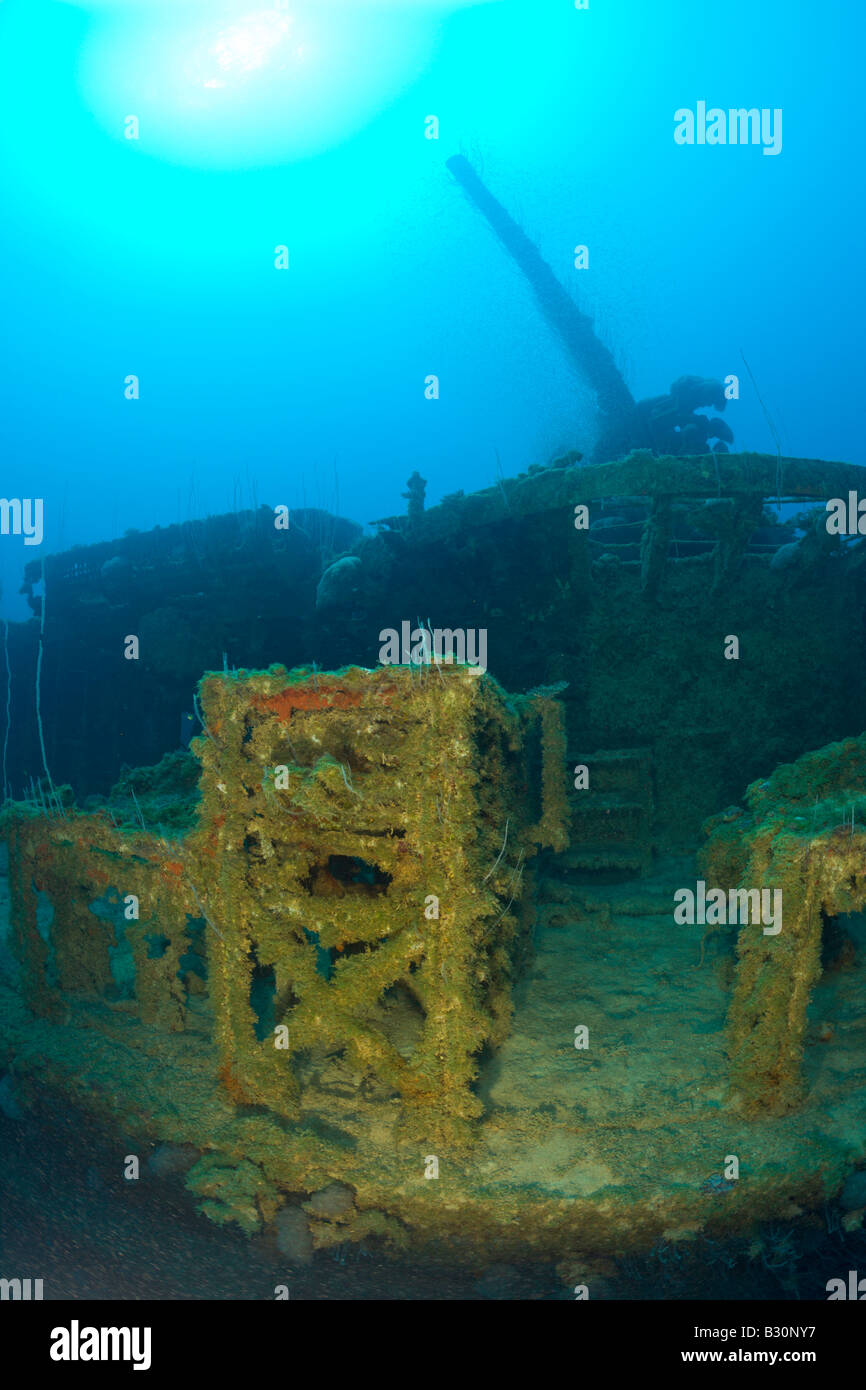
589 355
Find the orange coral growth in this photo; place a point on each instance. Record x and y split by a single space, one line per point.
296 697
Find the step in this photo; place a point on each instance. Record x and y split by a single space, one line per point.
603 803
611 819
605 854
616 770
611 825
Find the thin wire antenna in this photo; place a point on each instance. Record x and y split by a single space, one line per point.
772 428
138 808
436 660
201 909
332 528
200 717
52 793
500 480
514 889
499 855
8 708
348 782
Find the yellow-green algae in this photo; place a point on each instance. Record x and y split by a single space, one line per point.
550 1152
419 774
568 1159
421 778
804 834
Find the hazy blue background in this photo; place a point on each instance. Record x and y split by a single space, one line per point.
156 257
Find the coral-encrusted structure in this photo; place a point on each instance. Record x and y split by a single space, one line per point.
363 842
804 834
78 861
358 868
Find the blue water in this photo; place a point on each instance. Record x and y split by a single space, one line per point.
155 257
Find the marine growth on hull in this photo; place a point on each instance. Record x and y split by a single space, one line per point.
390 954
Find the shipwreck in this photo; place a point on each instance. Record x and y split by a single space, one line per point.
392 948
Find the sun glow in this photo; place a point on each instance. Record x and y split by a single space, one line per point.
240 83
255 41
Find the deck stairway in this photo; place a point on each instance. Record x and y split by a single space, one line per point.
611 821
